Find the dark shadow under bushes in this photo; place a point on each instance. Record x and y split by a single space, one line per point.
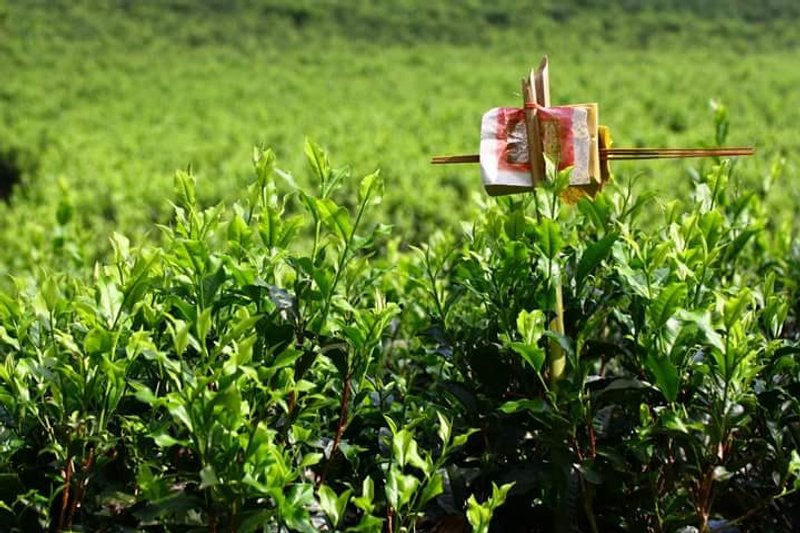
14 164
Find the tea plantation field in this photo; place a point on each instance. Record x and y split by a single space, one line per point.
236 296
102 101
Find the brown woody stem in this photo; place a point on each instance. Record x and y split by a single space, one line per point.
340 427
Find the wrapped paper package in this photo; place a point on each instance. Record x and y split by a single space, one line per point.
569 139
505 167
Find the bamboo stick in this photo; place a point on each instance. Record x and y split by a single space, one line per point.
623 154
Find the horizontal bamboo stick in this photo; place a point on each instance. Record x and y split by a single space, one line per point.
623 154
666 153
454 159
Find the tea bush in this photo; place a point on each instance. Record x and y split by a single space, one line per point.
282 363
666 401
229 379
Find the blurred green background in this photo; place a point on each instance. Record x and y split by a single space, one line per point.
101 101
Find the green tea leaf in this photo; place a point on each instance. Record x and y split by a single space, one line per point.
203 325
514 225
794 468
335 217
445 429
735 307
311 459
98 341
293 509
480 515
167 441
531 325
400 488
405 450
536 405
666 375
180 413
433 487
287 357
667 303
594 254
318 161
370 191
365 501
185 185
328 503
530 353
550 240
208 477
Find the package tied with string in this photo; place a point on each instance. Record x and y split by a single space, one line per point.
569 139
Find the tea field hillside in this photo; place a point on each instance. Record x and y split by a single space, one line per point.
102 101
236 296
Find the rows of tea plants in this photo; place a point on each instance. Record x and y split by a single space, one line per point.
87 112
284 363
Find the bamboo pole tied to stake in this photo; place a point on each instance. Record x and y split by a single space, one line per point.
516 141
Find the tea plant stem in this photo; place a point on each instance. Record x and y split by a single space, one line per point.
145 271
340 427
547 394
704 498
65 495
703 271
434 291
342 261
232 517
317 229
80 490
588 507
758 508
592 439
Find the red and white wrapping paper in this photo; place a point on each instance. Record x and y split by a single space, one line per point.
504 150
566 140
505 164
